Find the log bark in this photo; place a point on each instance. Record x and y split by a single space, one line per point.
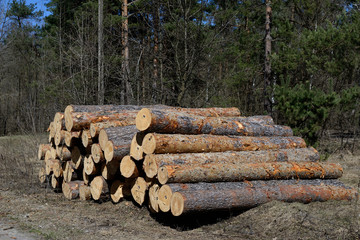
179 143
229 172
71 189
99 188
95 128
110 170
138 190
119 190
84 192
42 150
72 138
153 161
128 168
118 145
176 122
231 195
97 153
153 197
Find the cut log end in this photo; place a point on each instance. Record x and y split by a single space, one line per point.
55 182
84 193
109 151
128 168
164 198
143 119
177 204
97 153
98 187
103 138
153 197
89 166
69 123
42 175
117 191
136 151
163 175
71 189
150 166
138 190
149 144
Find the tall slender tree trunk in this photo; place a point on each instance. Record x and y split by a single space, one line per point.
101 87
125 65
267 68
156 50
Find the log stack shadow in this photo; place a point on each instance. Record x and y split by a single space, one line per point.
183 160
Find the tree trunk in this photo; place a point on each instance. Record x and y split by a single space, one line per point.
153 161
177 143
176 122
232 195
230 172
267 68
101 87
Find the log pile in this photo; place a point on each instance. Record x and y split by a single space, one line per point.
182 160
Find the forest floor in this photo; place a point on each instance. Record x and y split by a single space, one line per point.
28 211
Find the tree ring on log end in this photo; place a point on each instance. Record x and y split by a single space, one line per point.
143 119
109 151
164 198
149 143
127 167
163 175
177 204
150 166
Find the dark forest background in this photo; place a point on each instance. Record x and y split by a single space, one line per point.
297 60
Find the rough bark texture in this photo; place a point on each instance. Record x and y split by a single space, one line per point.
221 196
153 161
179 143
118 145
98 188
97 153
138 190
128 168
42 150
229 172
71 189
95 128
176 122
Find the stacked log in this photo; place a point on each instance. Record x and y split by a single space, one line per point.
182 160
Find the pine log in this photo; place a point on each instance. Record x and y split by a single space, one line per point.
63 153
138 190
77 158
90 167
84 192
97 153
57 169
48 155
231 195
51 131
229 172
99 188
56 182
86 178
164 198
176 122
128 168
179 143
53 152
42 150
50 164
95 128
119 190
153 197
69 172
86 138
59 137
42 175
136 150
153 161
118 145
72 138
207 112
81 120
71 189
110 170
59 123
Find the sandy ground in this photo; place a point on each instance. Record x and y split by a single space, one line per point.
28 211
